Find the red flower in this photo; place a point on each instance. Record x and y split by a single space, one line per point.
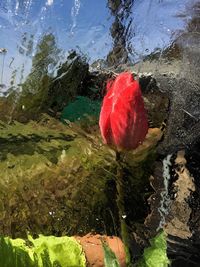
123 119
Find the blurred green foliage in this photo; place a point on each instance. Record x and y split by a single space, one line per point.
54 179
156 254
44 251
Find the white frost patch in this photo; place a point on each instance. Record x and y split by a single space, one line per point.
165 200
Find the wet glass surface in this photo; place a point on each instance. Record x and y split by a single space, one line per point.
62 172
84 26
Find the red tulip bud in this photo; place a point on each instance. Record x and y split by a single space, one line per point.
123 119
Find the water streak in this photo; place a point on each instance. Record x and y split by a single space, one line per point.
165 199
74 13
49 2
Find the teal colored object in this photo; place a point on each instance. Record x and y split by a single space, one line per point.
81 108
44 251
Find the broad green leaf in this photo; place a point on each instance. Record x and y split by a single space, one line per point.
44 251
156 254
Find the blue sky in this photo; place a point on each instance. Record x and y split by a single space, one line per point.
84 24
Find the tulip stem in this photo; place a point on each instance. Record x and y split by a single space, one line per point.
121 207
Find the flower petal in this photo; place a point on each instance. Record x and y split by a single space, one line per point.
123 120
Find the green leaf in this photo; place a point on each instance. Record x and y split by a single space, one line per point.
110 259
45 251
156 254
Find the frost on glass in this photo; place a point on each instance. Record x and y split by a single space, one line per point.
57 176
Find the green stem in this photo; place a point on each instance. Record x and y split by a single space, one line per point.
121 207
